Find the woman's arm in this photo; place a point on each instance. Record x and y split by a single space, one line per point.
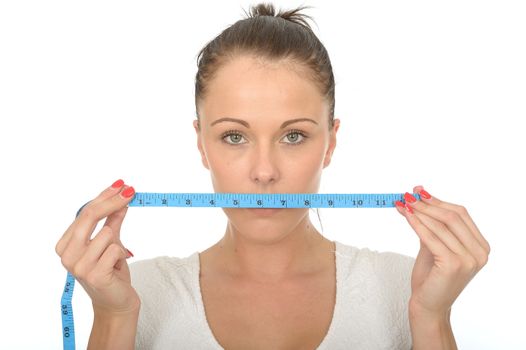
452 251
431 333
111 331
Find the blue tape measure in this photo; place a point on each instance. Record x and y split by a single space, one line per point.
232 200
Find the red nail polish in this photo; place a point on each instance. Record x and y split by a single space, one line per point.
399 204
409 209
127 193
117 183
130 254
409 197
424 194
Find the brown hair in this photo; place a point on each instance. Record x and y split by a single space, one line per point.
265 34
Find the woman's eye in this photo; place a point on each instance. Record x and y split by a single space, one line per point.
235 137
295 138
292 136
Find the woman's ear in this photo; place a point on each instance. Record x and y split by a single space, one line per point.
332 143
199 144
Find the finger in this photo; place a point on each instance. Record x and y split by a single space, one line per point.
435 245
110 191
62 242
462 211
426 261
449 226
103 271
66 238
86 223
438 229
94 251
92 214
114 221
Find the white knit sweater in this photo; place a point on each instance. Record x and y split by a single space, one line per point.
372 294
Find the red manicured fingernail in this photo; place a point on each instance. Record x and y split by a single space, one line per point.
409 209
409 197
130 191
117 183
130 254
399 204
424 194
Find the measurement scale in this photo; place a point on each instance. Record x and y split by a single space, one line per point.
232 200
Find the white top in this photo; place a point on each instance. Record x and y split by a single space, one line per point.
371 311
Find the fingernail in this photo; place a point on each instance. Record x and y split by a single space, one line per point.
408 208
399 204
117 183
127 193
424 194
130 254
409 197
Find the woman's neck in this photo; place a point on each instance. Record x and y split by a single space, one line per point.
302 252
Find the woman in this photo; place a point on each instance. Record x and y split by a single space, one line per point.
265 124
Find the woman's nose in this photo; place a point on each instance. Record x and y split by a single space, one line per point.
264 166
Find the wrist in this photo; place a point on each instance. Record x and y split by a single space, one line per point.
429 324
113 322
113 330
431 330
418 312
105 313
105 316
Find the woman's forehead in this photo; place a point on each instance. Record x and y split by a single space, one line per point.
248 78
242 87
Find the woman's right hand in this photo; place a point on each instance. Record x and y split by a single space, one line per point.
99 264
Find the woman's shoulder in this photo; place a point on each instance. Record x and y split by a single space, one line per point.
162 271
163 262
372 256
388 266
168 287
376 285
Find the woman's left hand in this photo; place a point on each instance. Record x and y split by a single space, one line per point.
452 252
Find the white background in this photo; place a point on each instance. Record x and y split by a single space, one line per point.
429 93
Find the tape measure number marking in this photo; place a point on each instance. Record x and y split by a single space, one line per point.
266 200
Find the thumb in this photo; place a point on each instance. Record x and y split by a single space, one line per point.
115 219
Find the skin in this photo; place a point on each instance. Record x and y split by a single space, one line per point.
99 265
452 251
265 250
269 249
266 159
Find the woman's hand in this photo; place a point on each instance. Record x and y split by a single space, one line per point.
99 264
452 252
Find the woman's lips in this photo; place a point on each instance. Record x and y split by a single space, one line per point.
264 211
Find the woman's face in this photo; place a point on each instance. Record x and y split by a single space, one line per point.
263 152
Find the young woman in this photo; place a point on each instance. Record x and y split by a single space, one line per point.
265 123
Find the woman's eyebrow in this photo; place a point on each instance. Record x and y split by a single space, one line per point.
246 124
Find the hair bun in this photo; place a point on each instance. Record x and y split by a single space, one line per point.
267 9
262 9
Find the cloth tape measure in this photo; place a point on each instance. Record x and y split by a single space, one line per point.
232 200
